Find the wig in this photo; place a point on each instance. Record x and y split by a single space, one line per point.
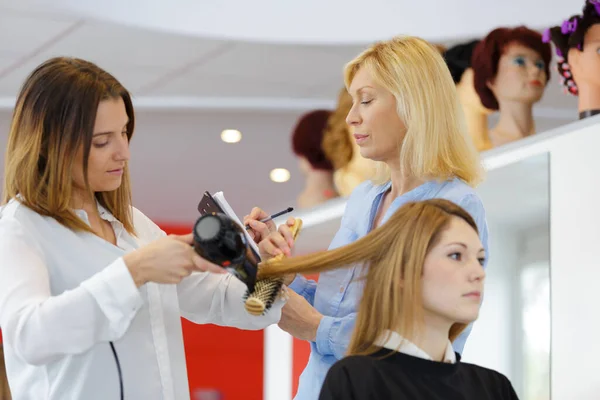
487 53
308 136
458 59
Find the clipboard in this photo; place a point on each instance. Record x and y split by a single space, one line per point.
217 204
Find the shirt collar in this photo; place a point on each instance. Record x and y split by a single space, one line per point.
394 341
104 214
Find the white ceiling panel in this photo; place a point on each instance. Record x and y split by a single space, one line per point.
318 21
7 59
307 65
162 65
132 47
23 32
211 85
132 79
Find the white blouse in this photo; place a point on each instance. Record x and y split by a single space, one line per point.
394 341
65 295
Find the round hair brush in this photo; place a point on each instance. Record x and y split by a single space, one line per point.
266 290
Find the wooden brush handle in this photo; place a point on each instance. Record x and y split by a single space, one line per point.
266 290
295 232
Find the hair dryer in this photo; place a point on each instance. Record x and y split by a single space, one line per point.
220 240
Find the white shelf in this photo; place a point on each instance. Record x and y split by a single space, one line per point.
516 190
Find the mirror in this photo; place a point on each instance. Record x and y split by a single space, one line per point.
512 334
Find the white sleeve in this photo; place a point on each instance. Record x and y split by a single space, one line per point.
41 327
206 298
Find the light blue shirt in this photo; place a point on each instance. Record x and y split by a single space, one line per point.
337 294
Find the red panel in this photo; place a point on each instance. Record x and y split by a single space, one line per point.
226 360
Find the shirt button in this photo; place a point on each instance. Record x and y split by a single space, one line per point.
341 289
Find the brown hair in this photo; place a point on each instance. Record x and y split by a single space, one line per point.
55 115
394 253
307 137
337 144
488 51
4 389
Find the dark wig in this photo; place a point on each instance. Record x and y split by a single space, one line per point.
458 59
308 136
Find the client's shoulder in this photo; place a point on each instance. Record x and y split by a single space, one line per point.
482 374
354 365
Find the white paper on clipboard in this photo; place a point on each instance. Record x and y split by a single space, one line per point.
220 199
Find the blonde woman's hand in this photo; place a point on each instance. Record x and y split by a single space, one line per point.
278 242
259 230
167 260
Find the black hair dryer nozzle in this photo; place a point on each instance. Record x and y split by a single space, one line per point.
220 240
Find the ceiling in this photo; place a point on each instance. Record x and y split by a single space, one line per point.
254 63
315 21
168 65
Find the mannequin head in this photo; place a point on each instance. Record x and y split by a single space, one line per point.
458 59
306 141
577 42
307 138
511 65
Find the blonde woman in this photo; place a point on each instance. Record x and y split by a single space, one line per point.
406 117
422 287
92 291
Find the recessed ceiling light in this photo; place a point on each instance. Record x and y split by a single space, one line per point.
279 175
231 136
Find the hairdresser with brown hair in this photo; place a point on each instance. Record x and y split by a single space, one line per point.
92 291
405 116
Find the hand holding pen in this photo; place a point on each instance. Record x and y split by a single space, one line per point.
260 224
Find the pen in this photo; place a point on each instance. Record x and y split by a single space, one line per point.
287 210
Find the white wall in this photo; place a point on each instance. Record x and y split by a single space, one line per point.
575 272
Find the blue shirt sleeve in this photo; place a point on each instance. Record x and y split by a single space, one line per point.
305 288
334 334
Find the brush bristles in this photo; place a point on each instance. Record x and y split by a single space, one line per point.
266 290
264 295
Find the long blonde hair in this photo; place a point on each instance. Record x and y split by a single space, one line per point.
437 144
55 115
394 254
